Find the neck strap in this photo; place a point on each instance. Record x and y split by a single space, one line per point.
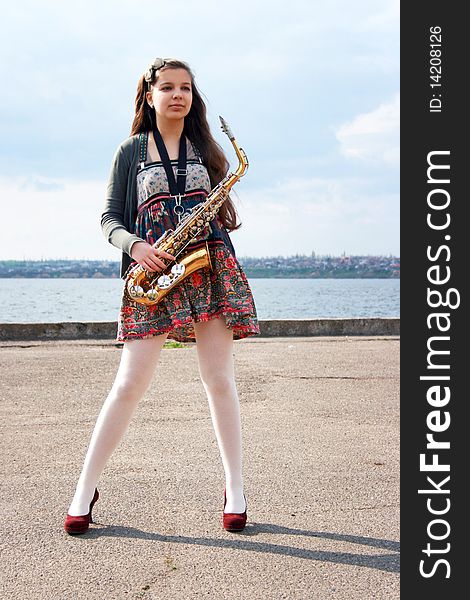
177 186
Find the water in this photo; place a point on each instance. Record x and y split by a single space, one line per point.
56 300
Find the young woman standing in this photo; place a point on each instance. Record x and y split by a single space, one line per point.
168 165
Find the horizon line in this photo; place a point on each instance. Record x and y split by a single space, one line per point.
240 255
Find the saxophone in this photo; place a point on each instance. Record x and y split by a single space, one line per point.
148 288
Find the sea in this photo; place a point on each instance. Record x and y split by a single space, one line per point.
61 300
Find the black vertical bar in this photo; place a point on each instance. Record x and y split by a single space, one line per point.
434 126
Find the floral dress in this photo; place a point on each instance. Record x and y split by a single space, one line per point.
222 291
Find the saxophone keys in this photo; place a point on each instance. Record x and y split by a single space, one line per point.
136 291
164 282
152 294
178 269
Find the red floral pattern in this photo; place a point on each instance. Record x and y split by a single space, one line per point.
203 295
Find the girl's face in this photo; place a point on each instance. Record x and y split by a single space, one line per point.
172 94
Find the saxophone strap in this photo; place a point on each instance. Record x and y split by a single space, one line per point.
178 186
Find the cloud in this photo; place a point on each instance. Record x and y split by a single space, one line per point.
61 219
54 219
40 184
289 94
373 136
328 215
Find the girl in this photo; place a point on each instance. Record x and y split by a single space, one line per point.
169 164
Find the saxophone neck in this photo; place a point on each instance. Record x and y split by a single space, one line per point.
242 158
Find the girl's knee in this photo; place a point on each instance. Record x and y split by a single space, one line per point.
130 389
218 383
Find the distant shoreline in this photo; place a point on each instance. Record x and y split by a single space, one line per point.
248 274
293 267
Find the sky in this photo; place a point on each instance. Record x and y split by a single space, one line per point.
309 88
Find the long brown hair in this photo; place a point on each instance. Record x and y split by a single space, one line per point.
196 129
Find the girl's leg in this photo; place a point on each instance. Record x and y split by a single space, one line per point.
138 361
214 343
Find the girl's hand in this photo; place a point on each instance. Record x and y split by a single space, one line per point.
149 257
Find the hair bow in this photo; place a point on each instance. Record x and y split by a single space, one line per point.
158 63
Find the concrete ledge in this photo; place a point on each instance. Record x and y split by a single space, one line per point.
100 330
313 327
269 328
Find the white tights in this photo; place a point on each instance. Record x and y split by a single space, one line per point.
214 343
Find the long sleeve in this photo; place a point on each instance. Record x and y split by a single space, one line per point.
112 218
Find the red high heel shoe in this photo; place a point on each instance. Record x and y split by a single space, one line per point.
233 521
80 523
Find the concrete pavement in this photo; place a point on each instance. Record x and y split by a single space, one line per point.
320 422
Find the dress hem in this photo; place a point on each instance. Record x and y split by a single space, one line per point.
240 331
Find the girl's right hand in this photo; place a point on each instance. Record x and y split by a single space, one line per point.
149 257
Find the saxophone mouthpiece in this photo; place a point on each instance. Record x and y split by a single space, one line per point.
225 128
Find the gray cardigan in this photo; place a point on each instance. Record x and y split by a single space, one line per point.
120 207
